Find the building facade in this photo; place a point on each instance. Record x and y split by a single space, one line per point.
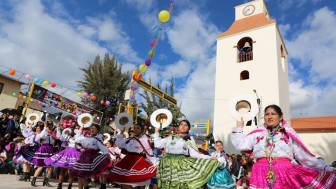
9 90
251 62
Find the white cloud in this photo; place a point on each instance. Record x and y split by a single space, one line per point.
191 36
197 96
310 100
110 31
301 97
51 48
43 45
313 47
180 69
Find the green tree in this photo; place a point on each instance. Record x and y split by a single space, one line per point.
106 81
153 102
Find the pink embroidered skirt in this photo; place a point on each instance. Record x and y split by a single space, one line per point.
289 175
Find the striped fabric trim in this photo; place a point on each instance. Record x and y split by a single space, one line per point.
316 183
90 166
125 172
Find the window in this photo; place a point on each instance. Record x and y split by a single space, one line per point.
244 75
245 49
1 87
283 55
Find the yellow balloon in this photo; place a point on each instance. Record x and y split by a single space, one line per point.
151 53
45 83
164 16
143 68
79 93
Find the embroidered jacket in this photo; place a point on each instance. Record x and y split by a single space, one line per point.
287 145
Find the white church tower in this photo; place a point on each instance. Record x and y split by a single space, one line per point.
251 69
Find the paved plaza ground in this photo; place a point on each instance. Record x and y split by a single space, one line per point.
11 182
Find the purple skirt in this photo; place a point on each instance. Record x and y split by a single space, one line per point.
25 153
65 158
90 163
43 152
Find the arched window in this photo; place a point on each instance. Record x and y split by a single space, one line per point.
245 49
244 75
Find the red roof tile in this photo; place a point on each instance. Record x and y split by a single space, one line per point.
314 124
248 23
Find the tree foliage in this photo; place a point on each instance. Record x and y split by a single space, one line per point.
104 79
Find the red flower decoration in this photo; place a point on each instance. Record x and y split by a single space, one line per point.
259 138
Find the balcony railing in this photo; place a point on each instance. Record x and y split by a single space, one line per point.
245 56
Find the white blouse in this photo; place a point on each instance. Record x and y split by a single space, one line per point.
30 140
177 145
284 147
132 145
91 143
26 132
220 158
44 138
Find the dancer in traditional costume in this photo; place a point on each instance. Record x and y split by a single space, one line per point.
276 145
114 151
26 151
183 166
138 166
222 178
46 140
66 158
93 160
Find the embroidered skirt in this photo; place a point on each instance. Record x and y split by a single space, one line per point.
90 163
25 154
43 152
181 172
133 170
65 158
289 175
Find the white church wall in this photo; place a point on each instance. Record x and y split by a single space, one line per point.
321 144
263 71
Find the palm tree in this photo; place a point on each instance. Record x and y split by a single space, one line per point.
106 81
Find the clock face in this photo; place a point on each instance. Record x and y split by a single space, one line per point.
248 10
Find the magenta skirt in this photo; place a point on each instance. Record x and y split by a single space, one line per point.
289 175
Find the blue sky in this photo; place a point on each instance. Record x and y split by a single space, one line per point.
51 39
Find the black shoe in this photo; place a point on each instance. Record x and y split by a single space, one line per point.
70 186
102 186
28 177
87 187
46 182
59 186
23 177
33 182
